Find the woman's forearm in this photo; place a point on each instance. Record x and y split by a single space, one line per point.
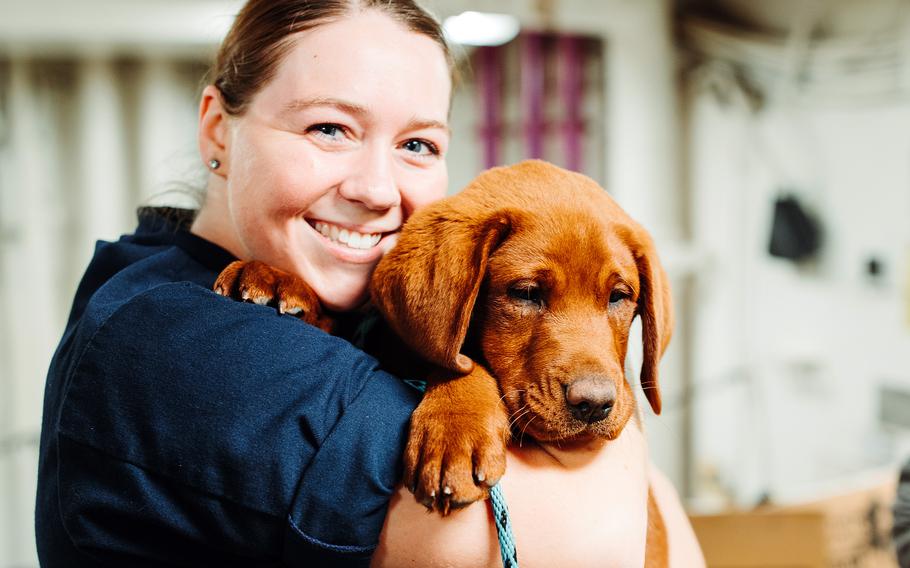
685 551
567 507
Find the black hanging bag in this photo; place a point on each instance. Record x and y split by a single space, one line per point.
794 234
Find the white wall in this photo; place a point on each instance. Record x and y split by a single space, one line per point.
789 360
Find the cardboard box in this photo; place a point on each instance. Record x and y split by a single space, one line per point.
847 530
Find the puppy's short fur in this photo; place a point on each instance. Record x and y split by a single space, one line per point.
532 275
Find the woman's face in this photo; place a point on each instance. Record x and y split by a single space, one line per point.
337 151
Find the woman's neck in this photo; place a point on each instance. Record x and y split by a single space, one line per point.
213 222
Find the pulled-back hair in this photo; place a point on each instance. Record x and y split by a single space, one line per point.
263 31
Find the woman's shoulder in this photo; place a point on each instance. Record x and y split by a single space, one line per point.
158 277
140 305
155 317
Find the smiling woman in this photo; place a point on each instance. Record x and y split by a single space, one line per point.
181 428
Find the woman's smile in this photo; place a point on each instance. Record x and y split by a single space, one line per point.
358 245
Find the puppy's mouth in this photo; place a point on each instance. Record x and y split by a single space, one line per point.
347 237
546 422
549 421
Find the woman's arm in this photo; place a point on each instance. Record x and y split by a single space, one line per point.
567 507
224 425
685 551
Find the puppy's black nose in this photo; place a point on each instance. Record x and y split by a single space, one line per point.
590 399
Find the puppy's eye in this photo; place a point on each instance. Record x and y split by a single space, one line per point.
618 295
526 293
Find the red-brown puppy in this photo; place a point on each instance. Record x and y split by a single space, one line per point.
534 274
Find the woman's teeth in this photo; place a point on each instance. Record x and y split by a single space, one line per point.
352 239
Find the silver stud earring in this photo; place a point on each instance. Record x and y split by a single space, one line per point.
214 164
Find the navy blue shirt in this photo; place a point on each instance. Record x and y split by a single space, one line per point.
185 429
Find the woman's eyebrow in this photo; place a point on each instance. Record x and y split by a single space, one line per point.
422 124
342 105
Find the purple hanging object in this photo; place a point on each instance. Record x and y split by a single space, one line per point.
489 76
571 89
533 91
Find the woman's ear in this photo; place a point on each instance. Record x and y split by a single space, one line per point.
213 133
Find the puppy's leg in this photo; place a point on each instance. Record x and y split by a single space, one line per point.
656 551
456 450
258 283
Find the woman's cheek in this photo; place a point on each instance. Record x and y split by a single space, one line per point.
426 192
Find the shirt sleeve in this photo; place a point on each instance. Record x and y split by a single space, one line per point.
902 518
211 422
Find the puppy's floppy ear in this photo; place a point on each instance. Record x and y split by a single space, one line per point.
427 285
656 311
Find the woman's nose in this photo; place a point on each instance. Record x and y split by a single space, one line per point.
373 184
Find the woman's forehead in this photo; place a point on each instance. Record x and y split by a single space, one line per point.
365 60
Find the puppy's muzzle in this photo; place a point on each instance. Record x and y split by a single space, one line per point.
590 399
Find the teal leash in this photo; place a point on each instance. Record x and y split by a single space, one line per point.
507 550
501 519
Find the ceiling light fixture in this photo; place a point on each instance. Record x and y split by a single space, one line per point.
479 28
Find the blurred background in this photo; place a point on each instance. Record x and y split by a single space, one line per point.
765 144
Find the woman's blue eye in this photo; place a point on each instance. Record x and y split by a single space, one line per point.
327 130
420 147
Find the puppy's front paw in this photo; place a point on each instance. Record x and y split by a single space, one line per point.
258 283
457 446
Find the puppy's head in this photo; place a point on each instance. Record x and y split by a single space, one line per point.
537 271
